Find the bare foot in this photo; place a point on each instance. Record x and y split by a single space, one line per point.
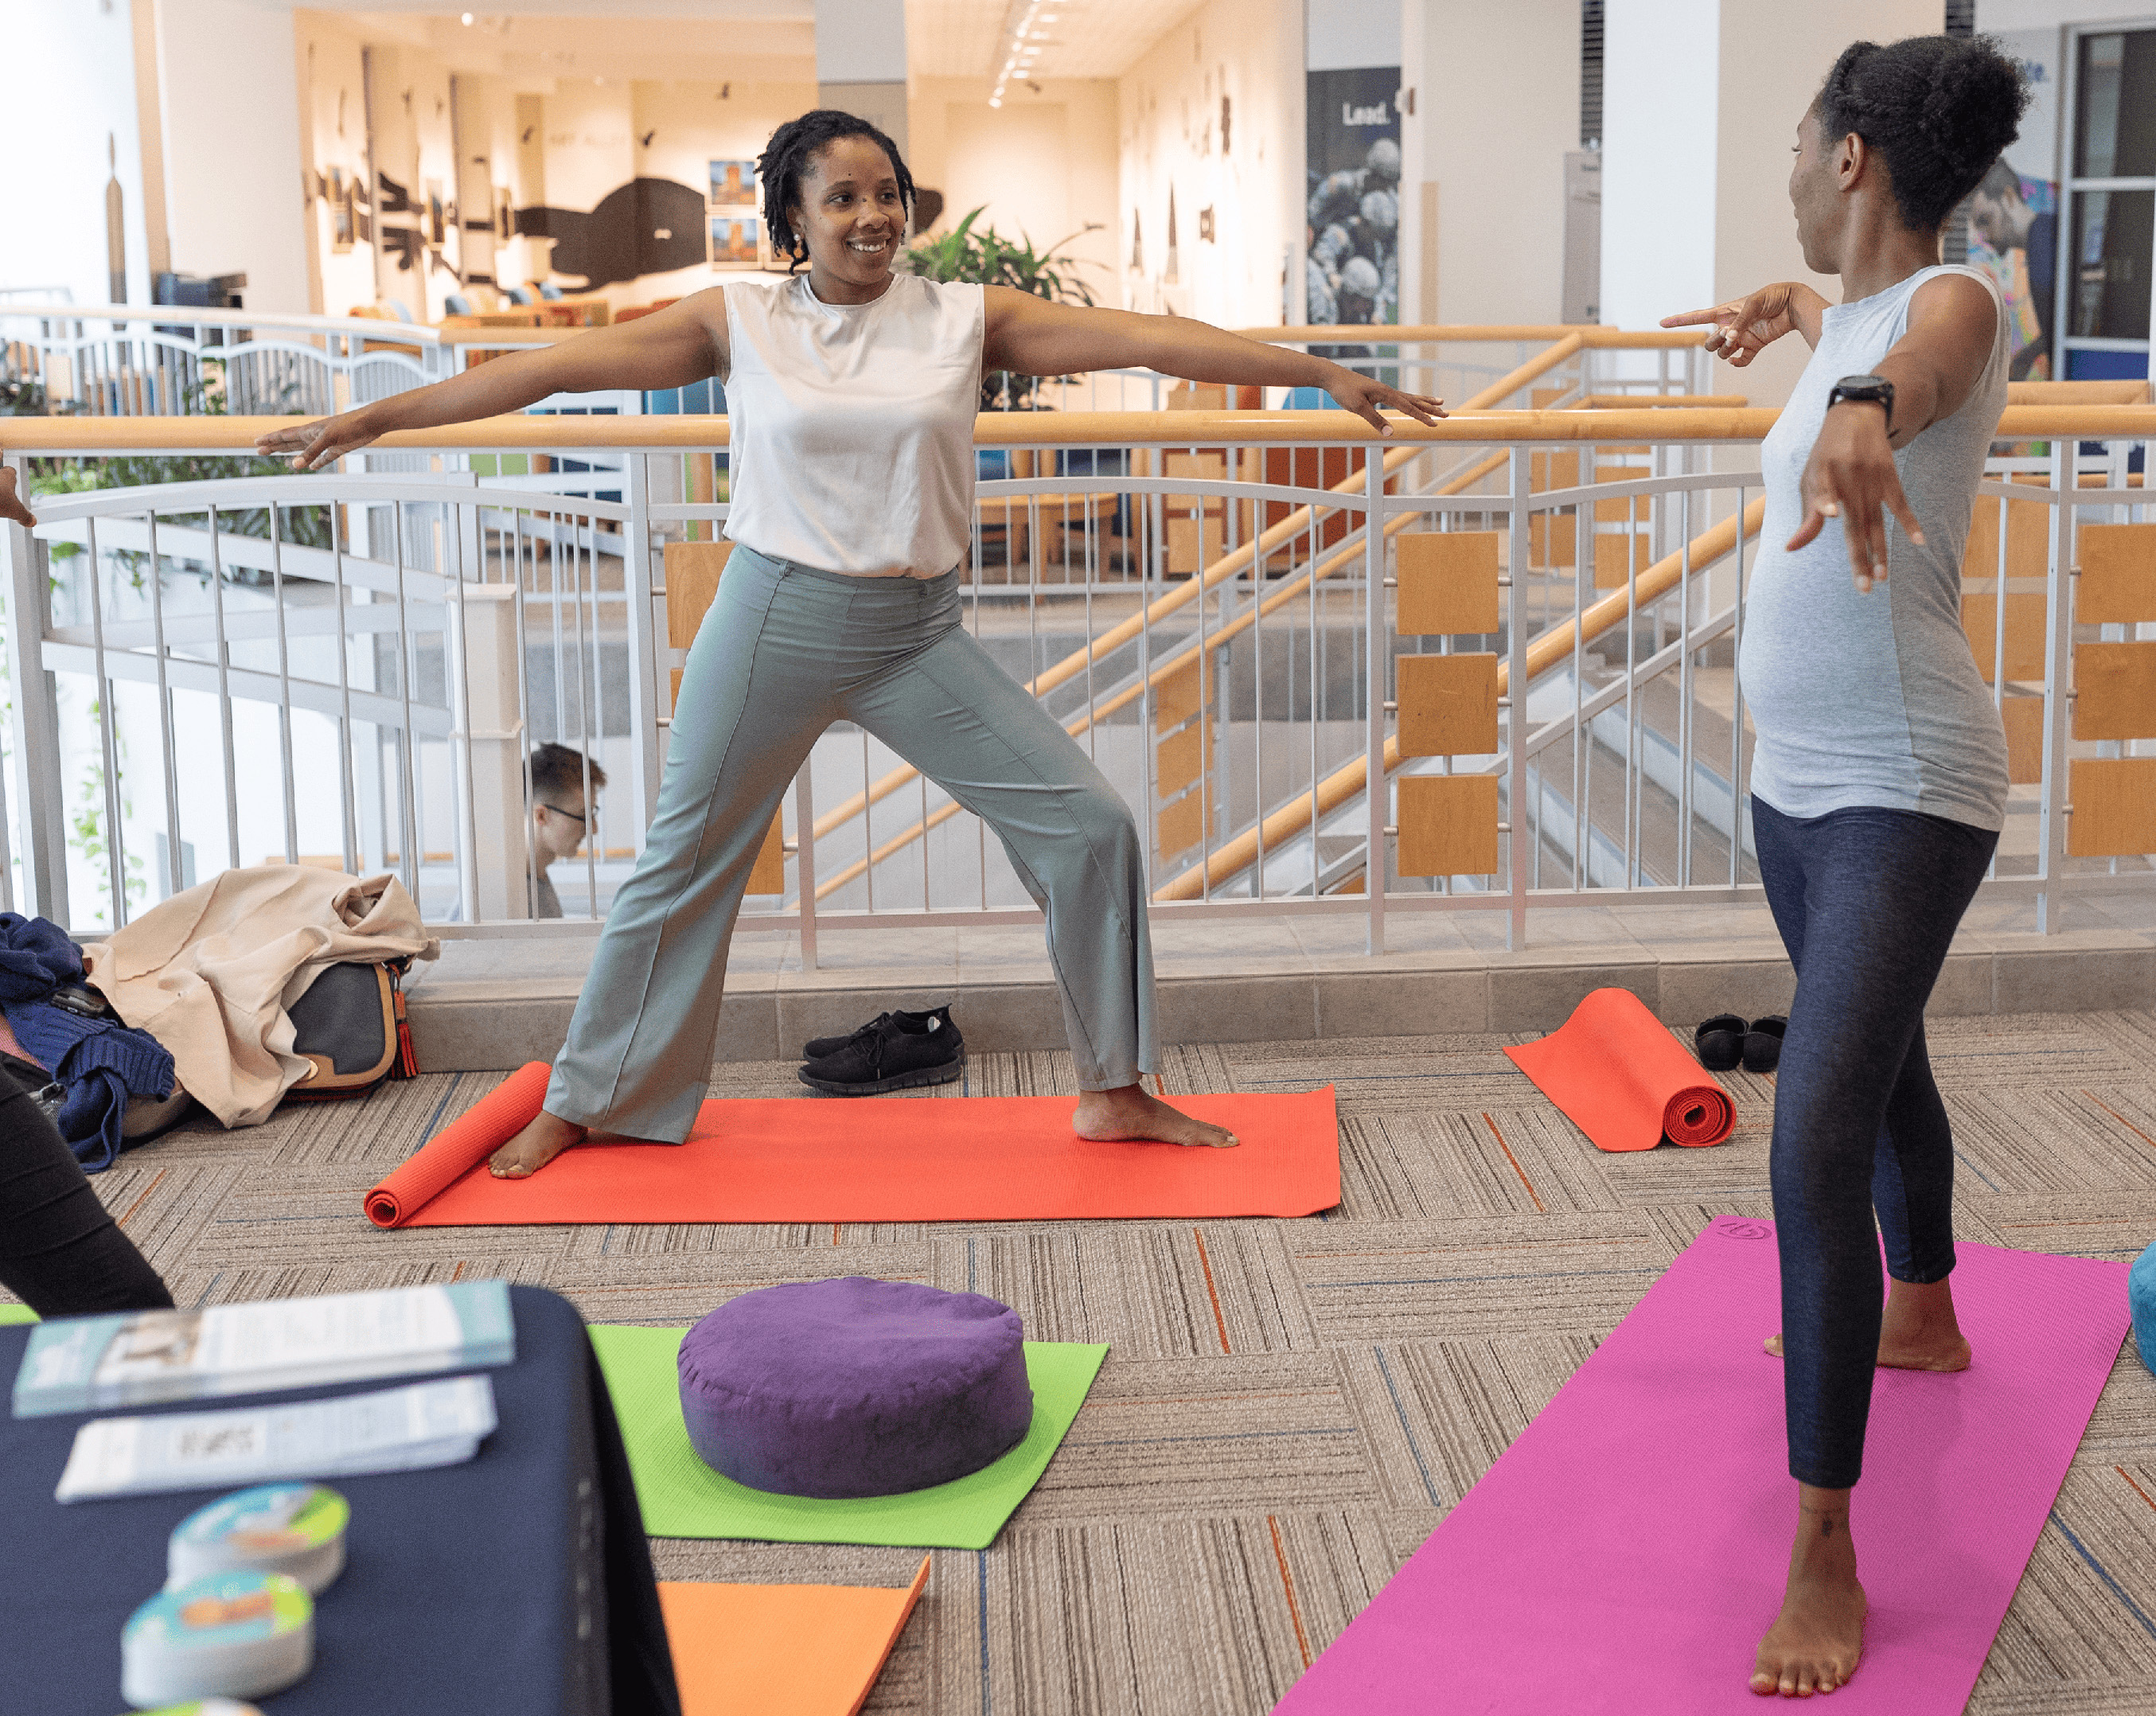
1918 1330
532 1149
1814 1645
1130 1113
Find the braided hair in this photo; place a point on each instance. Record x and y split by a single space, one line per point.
792 151
1937 109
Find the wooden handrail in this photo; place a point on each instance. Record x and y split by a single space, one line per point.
1438 333
1344 783
1472 425
1227 567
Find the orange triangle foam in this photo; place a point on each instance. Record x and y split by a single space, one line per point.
782 1650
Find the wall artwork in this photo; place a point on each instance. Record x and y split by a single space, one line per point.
647 226
1353 275
338 195
734 241
505 213
733 184
437 220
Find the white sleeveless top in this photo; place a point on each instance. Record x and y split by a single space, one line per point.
852 425
1874 699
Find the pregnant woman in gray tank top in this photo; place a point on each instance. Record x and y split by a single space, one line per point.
854 389
1879 784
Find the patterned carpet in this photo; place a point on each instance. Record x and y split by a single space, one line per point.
1290 1407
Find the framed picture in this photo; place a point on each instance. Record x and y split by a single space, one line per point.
734 241
733 184
505 213
339 195
437 216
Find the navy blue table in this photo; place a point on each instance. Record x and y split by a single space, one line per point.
519 1582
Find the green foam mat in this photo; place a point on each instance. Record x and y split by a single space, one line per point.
682 1497
16 1313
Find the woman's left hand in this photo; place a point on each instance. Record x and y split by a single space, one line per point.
1852 476
1366 397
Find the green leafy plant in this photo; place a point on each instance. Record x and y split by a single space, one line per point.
88 833
983 256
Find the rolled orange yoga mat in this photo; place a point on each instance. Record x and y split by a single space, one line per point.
1622 1079
873 1158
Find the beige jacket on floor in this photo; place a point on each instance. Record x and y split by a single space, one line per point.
210 973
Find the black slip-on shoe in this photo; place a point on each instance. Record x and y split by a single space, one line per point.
1763 1043
822 1048
1721 1042
896 1055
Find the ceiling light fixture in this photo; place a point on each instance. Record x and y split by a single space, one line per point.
1020 22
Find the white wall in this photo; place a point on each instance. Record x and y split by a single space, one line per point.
234 189
71 87
1043 163
1169 108
1496 101
1347 35
1701 100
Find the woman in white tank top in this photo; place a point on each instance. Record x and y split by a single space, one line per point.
1880 781
852 392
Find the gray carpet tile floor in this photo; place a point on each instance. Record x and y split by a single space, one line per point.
1289 1407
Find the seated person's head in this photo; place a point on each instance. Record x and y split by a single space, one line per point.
561 817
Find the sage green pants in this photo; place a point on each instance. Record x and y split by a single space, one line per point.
785 651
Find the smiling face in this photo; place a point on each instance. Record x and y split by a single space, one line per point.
851 215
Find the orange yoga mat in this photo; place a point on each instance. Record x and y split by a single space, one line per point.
873 1158
1622 1079
782 1650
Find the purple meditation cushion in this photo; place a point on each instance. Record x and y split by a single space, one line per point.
854 1387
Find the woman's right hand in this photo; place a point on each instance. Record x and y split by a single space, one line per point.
1746 327
314 446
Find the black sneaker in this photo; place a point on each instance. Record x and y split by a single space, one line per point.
903 1051
821 1048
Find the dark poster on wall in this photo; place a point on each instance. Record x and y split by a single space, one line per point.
1353 154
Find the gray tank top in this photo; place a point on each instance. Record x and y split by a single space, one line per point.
1874 699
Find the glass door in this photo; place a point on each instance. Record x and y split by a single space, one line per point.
2106 267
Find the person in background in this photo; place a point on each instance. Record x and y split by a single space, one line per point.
1999 214
562 813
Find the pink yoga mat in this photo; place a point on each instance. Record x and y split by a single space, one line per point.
1627 1552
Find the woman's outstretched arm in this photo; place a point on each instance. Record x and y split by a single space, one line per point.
1033 336
683 344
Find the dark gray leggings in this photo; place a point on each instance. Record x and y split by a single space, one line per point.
61 1253
1867 901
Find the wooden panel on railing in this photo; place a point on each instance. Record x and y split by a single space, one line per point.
1184 822
1448 705
2118 574
1448 824
1554 538
1553 470
693 571
2024 633
2023 718
1623 508
2028 529
1617 557
1181 757
2115 690
1180 694
1448 582
2114 807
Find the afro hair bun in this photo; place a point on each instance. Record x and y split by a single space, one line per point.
1937 109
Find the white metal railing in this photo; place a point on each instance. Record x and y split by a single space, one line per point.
352 667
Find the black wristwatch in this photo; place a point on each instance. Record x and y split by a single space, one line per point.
1865 390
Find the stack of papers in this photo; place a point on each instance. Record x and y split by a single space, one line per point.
409 1429
89 1363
